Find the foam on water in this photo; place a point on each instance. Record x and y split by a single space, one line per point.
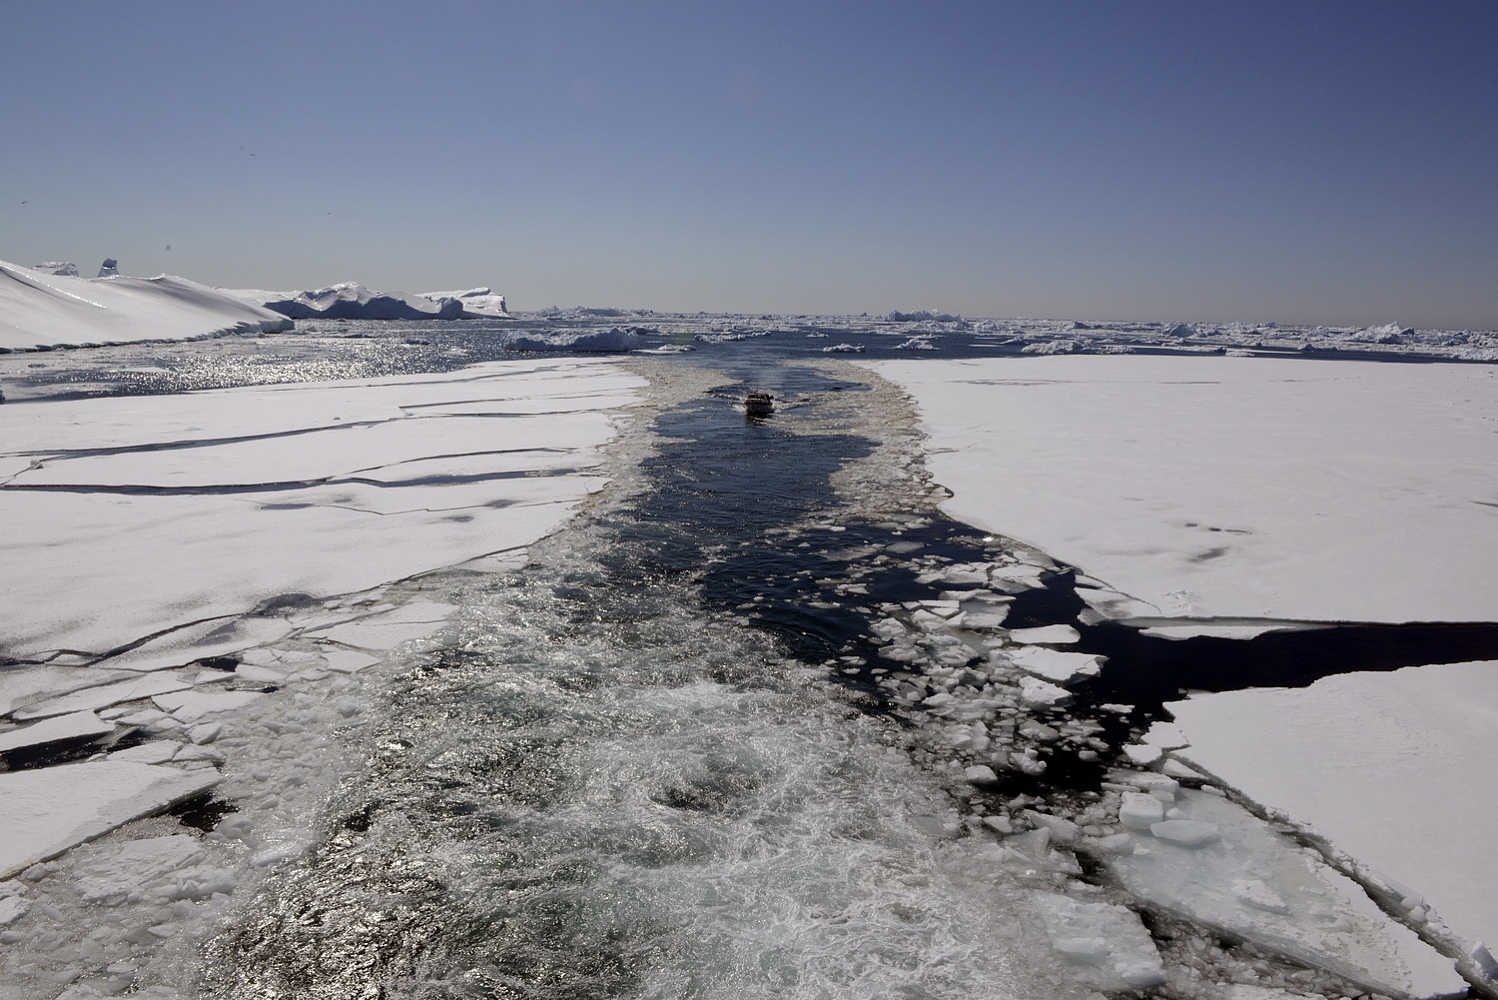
584 797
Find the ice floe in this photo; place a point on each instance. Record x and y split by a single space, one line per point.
51 809
1208 486
135 506
1393 768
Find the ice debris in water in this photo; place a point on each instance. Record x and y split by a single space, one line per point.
1105 944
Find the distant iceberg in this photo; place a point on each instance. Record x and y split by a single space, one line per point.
613 339
477 303
351 300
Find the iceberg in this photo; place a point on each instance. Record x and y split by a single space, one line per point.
40 310
612 339
477 303
351 300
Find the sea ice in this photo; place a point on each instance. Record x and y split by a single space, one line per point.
188 706
141 515
78 725
19 686
1223 867
49 810
1056 665
1391 767
1103 943
1059 635
1230 487
94 698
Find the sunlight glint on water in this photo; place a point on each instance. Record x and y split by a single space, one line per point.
587 799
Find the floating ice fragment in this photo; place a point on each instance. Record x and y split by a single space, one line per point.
155 752
94 698
205 733
1140 811
189 705
1060 635
1185 832
1042 693
1176 769
1166 736
50 810
1056 665
1255 893
980 774
1141 753
76 726
135 866
29 684
1104 944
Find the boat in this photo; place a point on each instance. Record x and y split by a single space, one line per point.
759 404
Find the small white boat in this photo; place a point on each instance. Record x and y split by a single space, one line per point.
759 404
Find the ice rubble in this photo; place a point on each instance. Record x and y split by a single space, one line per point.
612 339
307 489
1403 767
40 310
1242 487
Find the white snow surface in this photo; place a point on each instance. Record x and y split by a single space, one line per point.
39 309
1394 768
164 511
1217 486
49 810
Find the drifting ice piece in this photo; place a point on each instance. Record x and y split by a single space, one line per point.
1103 944
1042 693
29 684
95 698
1140 811
1256 884
136 865
65 727
47 811
1060 635
187 706
1055 665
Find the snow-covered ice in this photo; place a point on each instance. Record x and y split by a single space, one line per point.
160 511
349 300
41 309
1247 487
1219 865
1394 768
1102 942
78 725
52 809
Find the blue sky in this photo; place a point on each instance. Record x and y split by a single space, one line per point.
1298 162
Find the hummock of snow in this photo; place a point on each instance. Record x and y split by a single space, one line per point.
1249 487
40 309
351 300
162 511
1395 768
52 809
62 267
612 339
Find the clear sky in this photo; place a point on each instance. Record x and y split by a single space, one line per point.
1301 161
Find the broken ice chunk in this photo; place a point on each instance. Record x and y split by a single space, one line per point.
1035 691
1057 665
1060 635
1176 769
1141 754
76 726
105 695
189 705
155 752
1166 736
980 774
1185 832
1104 944
12 908
21 687
1140 811
133 866
50 810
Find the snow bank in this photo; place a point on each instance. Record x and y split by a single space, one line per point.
1252 487
1395 768
152 512
42 310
